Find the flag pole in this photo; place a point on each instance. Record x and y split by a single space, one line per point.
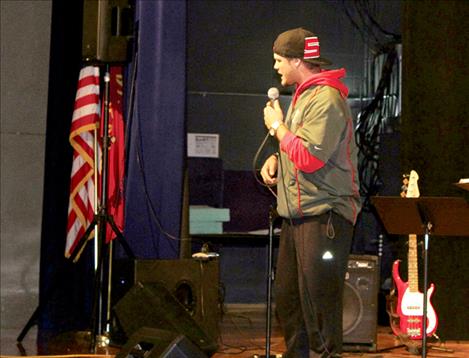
95 198
98 337
102 331
107 329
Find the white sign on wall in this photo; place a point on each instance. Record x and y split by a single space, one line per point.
205 145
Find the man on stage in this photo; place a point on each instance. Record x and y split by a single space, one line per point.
315 172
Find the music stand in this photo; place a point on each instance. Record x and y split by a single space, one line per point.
464 186
440 216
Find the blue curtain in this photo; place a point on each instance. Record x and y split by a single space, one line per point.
156 131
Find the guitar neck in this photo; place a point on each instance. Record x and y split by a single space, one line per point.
412 266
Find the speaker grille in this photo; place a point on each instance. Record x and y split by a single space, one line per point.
360 313
353 309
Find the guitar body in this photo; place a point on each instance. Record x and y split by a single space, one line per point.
410 308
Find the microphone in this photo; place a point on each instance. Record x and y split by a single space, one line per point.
273 94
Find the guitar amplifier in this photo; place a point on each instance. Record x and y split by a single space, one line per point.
360 305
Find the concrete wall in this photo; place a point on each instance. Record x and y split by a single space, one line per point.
25 37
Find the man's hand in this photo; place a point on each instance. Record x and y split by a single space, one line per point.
269 170
272 113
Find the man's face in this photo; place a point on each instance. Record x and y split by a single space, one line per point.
286 68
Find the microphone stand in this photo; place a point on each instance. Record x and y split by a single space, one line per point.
270 278
273 95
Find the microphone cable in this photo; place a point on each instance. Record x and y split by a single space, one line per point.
254 164
273 95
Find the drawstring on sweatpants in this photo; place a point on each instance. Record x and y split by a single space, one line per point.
330 232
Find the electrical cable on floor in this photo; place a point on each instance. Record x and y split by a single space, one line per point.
252 345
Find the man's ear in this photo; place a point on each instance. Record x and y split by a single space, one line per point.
296 62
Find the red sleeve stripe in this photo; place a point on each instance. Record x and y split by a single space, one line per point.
299 155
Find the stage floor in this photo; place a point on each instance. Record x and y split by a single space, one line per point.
243 334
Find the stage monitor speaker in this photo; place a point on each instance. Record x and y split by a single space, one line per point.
194 283
152 305
360 304
156 343
107 30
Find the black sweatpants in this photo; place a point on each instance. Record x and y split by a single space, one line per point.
309 284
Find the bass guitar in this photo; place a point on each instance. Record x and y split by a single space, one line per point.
409 298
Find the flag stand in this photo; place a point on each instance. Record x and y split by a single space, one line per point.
101 218
99 335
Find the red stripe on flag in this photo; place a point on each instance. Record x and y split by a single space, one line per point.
80 122
90 77
84 146
80 205
91 98
71 218
79 176
74 244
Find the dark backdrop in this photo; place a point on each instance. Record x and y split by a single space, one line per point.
435 137
65 288
229 68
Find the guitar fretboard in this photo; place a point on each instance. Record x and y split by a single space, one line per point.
412 269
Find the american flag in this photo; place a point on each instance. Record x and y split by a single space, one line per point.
82 138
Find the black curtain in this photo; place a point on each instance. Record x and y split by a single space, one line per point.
435 137
65 288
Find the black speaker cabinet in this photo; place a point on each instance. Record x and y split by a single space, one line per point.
152 305
156 343
107 30
194 283
360 313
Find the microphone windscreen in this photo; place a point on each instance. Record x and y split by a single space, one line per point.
273 93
